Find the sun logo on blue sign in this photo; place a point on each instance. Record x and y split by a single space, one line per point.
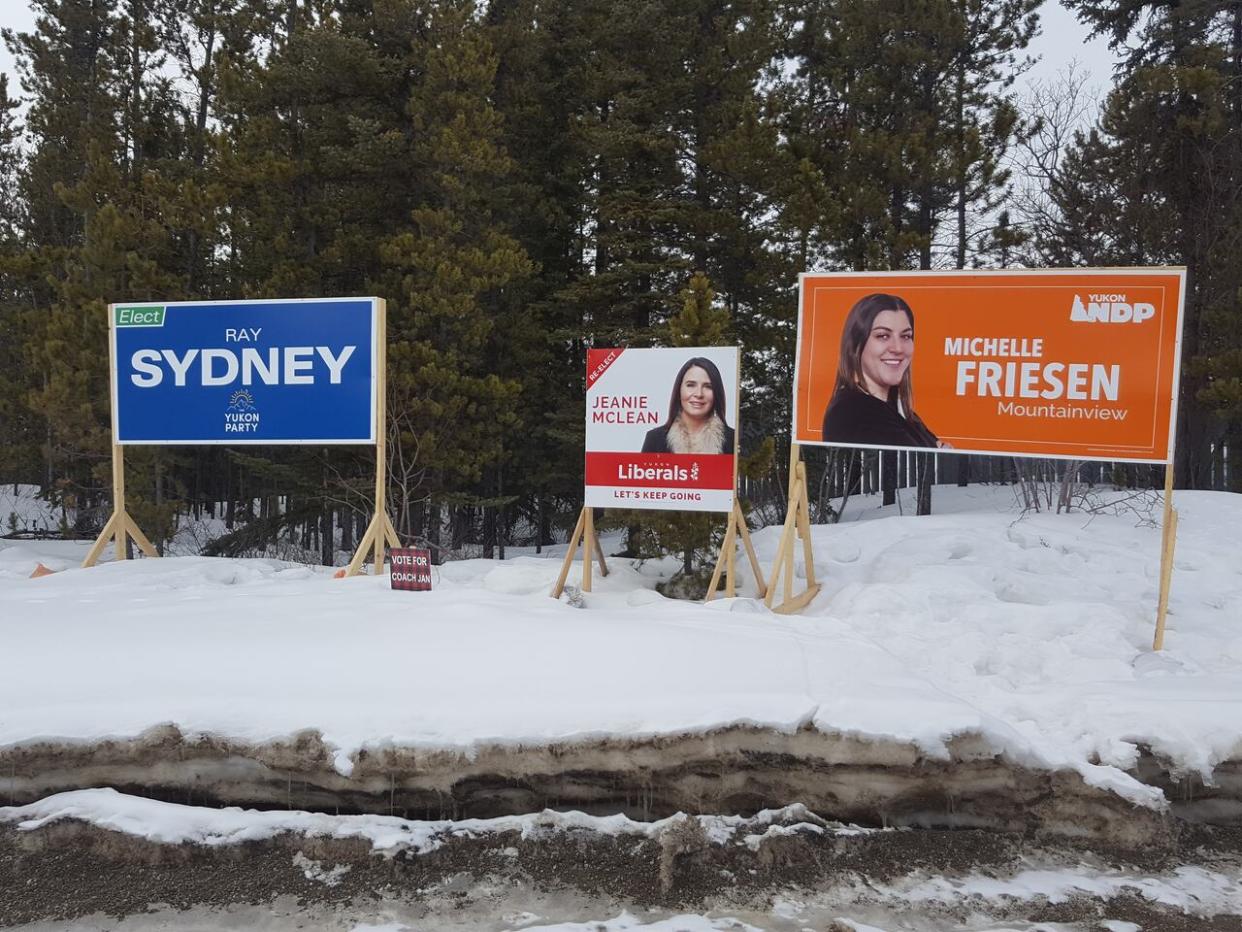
241 400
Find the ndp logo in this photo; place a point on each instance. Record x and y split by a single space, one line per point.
1110 309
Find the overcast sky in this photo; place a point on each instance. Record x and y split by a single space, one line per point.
1061 40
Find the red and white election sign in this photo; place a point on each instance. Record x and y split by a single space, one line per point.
411 569
661 428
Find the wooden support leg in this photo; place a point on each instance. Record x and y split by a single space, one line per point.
599 554
804 530
360 555
377 545
569 555
140 538
787 582
721 560
760 585
390 533
381 526
118 500
588 545
1166 578
785 548
1168 542
105 534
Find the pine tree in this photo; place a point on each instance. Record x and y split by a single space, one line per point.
309 169
68 67
1160 181
645 147
19 425
449 271
701 321
984 118
898 115
101 217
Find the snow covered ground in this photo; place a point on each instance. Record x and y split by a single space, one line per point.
1032 631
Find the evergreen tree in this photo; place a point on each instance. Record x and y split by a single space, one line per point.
19 426
310 166
1160 181
448 272
69 67
984 118
897 117
645 146
695 535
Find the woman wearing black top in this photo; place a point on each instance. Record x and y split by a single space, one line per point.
873 403
696 413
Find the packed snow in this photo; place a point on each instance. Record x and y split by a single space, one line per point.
1031 630
1189 890
172 824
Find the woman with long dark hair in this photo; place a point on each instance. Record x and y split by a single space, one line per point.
696 413
873 402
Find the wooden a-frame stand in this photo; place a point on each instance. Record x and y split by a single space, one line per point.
584 533
1168 543
380 531
797 521
728 551
120 525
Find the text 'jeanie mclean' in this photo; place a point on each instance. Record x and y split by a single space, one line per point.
622 409
624 417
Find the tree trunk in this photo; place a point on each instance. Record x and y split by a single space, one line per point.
888 476
327 552
347 532
926 471
434 520
1233 465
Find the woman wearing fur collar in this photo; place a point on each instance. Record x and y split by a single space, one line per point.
696 413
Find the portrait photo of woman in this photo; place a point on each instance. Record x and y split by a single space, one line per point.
696 413
872 402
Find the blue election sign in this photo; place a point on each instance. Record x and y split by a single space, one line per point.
234 372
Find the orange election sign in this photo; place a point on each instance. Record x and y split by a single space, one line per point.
1075 364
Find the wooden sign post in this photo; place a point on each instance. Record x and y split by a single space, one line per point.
797 522
380 531
1168 542
584 534
728 551
120 525
737 525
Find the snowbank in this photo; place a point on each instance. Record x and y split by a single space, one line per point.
1036 879
172 824
1032 632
